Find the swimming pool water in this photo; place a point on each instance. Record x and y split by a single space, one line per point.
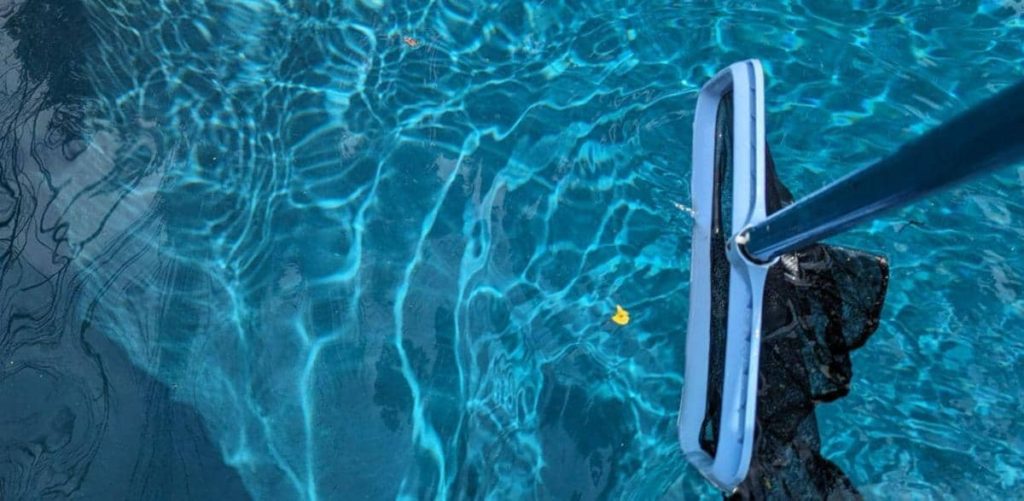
371 249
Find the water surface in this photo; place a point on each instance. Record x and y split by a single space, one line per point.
371 249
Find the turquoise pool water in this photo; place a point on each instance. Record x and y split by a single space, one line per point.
373 248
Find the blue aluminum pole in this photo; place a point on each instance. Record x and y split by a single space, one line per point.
988 136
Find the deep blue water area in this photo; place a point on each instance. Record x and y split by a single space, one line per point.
297 249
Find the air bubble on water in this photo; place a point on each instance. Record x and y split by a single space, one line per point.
685 209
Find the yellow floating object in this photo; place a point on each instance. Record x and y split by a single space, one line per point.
621 316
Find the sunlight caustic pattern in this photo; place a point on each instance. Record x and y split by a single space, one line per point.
379 265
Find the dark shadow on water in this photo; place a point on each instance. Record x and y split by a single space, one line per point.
77 418
117 435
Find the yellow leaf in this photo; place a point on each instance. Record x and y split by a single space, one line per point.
621 316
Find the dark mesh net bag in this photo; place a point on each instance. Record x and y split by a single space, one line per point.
821 303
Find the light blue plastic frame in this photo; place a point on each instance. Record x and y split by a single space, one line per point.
729 466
